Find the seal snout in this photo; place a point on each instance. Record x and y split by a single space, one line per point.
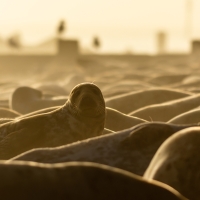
87 102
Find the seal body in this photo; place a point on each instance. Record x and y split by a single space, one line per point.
115 120
166 111
77 180
26 99
130 149
127 103
81 117
189 117
177 162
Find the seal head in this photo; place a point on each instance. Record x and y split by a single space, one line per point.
86 100
86 110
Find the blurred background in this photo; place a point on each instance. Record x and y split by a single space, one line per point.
42 40
122 26
122 46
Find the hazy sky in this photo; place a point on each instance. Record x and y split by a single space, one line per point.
121 24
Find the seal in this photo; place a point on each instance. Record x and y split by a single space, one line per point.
166 111
130 149
129 102
77 180
41 111
26 99
189 117
81 117
177 161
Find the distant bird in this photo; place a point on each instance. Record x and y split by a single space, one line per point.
96 42
61 27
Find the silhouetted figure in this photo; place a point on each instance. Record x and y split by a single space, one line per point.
61 28
14 41
96 42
